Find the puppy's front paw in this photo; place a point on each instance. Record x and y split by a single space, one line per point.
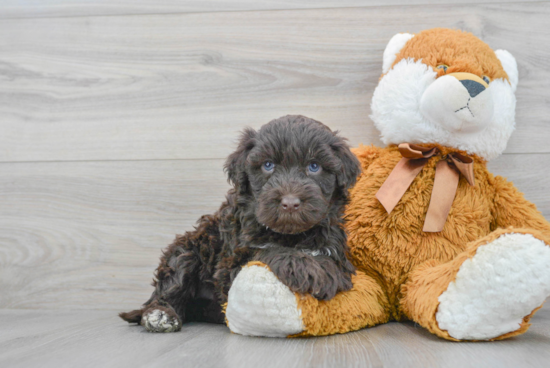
156 320
304 275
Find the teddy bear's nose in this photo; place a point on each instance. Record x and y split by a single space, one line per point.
473 83
474 88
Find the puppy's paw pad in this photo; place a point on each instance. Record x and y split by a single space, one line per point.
157 320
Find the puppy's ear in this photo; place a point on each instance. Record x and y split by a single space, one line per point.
351 167
235 166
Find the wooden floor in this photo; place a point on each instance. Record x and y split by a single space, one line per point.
116 117
99 339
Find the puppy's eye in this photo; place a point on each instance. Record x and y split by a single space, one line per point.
486 79
313 167
268 166
443 66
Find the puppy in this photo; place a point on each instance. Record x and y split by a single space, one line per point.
290 184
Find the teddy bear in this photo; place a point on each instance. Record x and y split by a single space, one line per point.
435 237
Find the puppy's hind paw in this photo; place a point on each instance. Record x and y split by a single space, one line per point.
156 320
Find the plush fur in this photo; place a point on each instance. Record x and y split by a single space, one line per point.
392 49
281 211
513 264
485 274
261 299
417 103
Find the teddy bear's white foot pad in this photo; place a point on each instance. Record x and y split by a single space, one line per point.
504 282
261 305
160 321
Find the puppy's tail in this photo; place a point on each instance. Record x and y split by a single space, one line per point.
132 317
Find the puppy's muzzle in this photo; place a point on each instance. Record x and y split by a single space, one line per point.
290 206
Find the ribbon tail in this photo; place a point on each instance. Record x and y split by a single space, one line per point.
398 182
465 165
443 194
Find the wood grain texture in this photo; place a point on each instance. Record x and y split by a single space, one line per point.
181 86
99 339
529 173
71 8
87 235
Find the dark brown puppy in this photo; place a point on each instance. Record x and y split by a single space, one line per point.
290 184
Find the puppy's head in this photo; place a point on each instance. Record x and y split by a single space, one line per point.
296 170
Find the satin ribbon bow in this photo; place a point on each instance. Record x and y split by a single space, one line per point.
447 174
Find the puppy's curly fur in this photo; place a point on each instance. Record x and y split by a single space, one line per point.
301 238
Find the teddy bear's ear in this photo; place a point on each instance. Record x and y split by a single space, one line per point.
510 67
392 49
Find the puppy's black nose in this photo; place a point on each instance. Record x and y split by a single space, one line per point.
474 88
290 203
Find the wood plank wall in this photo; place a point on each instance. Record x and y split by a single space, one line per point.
115 118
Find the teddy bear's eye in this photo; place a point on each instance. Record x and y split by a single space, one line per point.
486 79
443 66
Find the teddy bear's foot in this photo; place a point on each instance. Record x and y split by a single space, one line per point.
497 290
157 320
261 305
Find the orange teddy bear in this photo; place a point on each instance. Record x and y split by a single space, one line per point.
436 238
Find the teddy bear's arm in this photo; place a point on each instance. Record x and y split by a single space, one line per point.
261 305
512 209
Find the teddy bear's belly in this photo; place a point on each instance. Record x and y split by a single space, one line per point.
389 246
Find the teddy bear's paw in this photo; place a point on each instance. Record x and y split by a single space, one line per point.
261 305
156 320
494 290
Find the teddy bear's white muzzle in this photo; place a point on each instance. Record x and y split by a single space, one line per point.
458 105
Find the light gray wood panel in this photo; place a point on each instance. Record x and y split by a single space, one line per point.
181 86
67 8
87 235
99 339
529 173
